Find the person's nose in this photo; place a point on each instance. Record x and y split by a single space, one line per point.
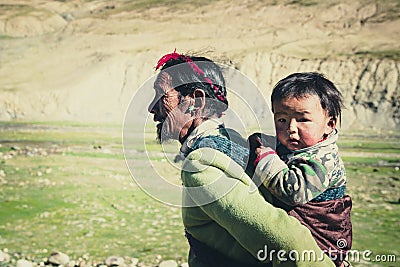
292 127
152 107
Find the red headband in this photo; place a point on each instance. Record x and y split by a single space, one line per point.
164 59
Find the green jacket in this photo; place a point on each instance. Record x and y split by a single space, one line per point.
234 219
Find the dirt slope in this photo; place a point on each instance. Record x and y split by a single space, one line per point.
83 60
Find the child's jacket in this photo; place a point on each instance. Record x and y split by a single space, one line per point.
311 183
296 177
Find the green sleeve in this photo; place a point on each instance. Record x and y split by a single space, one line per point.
242 212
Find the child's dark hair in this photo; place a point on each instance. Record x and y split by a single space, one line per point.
310 83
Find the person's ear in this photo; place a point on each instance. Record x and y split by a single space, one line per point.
199 97
331 125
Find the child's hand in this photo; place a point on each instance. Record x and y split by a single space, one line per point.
262 149
260 146
262 152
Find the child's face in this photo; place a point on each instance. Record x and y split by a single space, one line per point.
301 122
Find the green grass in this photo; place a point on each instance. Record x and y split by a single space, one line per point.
15 10
302 2
59 133
374 184
376 209
81 199
140 6
388 54
371 161
387 145
5 37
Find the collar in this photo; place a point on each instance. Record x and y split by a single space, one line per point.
207 128
331 138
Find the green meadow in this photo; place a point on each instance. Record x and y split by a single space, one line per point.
67 187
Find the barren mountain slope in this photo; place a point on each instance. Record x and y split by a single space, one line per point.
83 60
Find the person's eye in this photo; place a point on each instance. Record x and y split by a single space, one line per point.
303 120
164 97
281 120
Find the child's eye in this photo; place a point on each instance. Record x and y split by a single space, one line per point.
281 120
303 120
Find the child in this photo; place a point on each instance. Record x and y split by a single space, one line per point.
305 173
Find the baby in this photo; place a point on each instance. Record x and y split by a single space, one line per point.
305 174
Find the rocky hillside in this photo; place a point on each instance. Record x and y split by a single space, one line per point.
75 60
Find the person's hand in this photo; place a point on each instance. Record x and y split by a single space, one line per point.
258 139
254 141
262 150
258 143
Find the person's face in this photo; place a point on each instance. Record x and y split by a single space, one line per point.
301 122
170 110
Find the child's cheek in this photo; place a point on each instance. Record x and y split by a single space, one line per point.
309 140
280 129
280 134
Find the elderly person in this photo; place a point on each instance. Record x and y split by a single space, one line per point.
226 222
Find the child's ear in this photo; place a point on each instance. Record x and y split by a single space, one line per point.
331 125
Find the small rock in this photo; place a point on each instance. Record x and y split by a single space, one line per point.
7 157
134 261
24 263
115 261
168 263
67 16
4 257
58 258
81 263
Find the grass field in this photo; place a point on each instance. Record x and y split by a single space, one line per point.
67 188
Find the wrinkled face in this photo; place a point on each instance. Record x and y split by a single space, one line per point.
301 122
170 110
